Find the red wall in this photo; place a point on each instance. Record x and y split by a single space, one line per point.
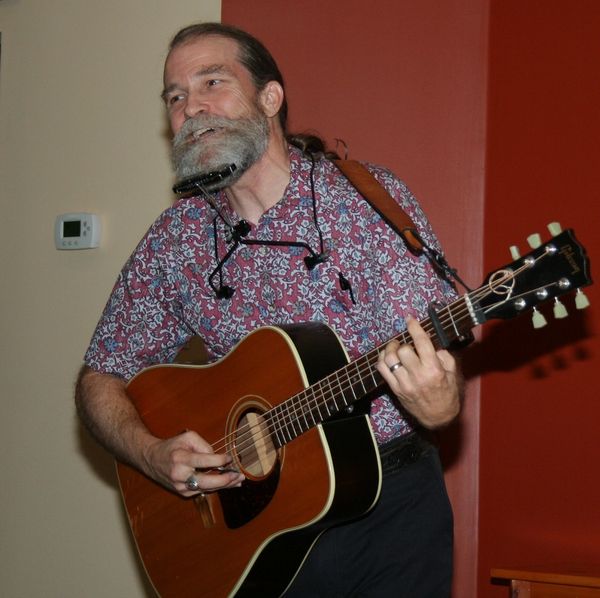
540 445
403 83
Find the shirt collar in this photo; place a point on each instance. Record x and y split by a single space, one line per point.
291 194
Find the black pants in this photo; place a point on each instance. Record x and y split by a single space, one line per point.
402 548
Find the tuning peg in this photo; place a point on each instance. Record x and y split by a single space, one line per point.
560 311
538 319
554 228
514 251
581 300
534 240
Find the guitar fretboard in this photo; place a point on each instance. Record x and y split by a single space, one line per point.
360 378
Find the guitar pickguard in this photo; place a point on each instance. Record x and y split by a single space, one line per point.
241 505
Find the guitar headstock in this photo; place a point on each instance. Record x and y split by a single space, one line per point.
552 269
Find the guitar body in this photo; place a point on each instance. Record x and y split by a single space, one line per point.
249 541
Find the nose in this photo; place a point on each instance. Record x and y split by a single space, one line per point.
195 104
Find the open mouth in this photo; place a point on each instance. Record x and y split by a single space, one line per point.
201 133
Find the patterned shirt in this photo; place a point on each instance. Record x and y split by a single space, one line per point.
163 296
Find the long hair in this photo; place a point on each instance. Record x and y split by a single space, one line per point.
261 65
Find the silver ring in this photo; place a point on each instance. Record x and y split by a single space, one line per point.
192 484
394 367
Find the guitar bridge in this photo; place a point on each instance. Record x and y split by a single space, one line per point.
202 503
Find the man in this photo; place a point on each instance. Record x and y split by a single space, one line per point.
226 105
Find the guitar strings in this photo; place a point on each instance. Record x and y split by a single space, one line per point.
290 418
339 383
277 423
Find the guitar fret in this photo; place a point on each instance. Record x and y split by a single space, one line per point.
357 388
364 371
294 425
356 384
285 422
373 373
340 385
278 432
304 410
290 422
272 429
344 384
318 406
312 415
350 391
298 412
324 403
330 403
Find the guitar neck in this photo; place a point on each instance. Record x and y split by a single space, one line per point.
550 270
360 378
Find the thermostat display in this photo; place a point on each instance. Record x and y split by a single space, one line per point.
77 231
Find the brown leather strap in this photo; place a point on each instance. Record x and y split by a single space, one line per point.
368 186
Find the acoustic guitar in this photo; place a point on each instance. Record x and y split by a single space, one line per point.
291 410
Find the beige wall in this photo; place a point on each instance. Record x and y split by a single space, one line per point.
81 129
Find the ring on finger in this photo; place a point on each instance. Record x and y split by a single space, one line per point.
192 484
395 366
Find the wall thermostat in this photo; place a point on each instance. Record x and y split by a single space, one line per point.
79 230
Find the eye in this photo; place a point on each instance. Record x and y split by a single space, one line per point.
174 99
213 82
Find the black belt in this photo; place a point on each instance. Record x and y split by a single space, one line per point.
403 451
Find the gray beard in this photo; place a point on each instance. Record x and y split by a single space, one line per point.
234 141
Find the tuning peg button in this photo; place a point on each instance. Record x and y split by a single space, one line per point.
538 319
554 228
581 300
514 252
534 240
560 311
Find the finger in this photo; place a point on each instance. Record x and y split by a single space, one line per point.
185 464
200 483
195 451
448 361
208 461
398 357
422 341
405 370
389 355
194 442
388 361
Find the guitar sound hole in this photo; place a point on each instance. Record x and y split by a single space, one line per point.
254 446
256 455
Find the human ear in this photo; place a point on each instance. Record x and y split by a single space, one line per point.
271 98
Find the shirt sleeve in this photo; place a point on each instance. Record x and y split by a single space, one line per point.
142 322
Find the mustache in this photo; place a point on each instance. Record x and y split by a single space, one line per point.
194 127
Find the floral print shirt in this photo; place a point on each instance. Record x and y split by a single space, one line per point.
163 296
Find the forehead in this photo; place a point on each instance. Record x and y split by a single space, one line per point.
200 54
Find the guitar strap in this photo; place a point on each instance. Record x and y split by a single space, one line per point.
391 211
368 186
